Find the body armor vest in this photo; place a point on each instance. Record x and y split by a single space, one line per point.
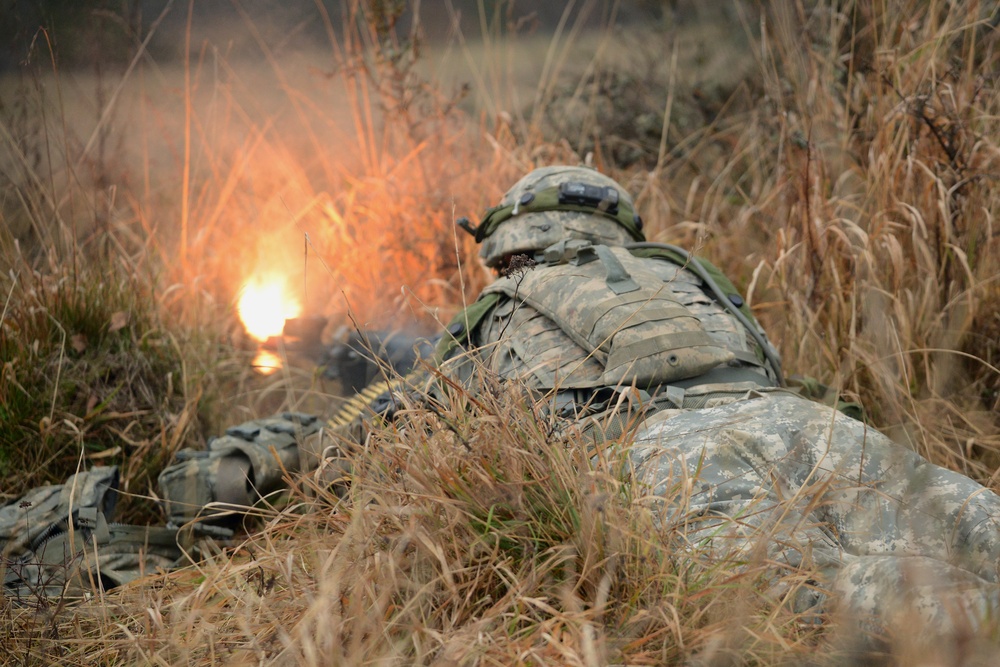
607 318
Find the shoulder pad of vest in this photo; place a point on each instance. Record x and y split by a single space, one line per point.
460 328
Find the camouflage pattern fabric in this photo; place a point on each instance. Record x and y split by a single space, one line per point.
559 326
625 316
27 520
94 555
57 542
530 216
778 477
240 468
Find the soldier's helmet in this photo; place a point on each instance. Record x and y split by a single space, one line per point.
554 204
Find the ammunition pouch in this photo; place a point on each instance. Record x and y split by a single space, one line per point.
238 470
31 518
93 555
56 541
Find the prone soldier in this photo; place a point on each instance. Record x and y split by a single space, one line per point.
610 330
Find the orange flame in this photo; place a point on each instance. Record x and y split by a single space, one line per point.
265 303
266 362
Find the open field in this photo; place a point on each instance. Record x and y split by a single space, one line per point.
838 160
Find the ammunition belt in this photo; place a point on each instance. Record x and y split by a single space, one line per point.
379 399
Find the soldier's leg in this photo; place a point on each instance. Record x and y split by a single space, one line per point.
801 462
919 598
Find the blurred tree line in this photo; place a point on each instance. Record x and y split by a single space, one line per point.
80 33
106 33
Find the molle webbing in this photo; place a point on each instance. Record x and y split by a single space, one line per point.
45 508
621 312
724 292
684 259
105 558
246 464
56 541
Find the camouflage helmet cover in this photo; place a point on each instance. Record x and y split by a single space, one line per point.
527 231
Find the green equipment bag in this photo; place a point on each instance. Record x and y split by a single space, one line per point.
56 541
214 488
92 555
28 519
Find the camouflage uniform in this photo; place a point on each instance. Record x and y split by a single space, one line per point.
774 476
588 312
739 463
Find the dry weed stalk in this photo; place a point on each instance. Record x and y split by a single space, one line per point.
873 253
850 185
524 549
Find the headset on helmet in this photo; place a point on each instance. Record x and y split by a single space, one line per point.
554 204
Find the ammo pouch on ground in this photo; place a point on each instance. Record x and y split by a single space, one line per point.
56 541
31 518
620 311
238 469
94 555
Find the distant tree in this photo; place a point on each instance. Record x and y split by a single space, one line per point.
82 34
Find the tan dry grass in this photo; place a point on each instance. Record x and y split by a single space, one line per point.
855 199
515 550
